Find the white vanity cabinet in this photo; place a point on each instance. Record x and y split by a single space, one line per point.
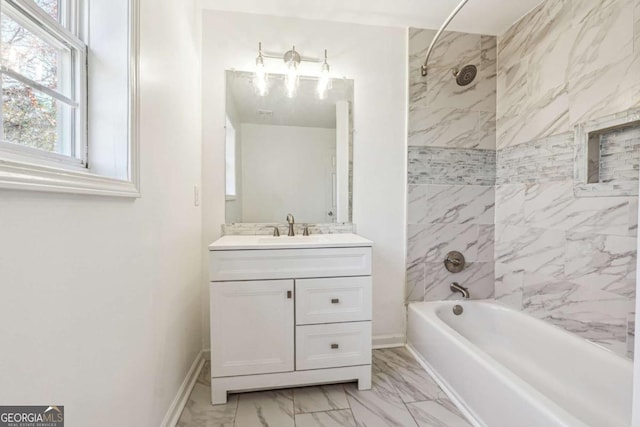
287 312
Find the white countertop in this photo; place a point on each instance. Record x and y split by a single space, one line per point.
236 242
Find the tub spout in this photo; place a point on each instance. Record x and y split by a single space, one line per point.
455 287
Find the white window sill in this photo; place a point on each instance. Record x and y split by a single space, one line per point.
25 176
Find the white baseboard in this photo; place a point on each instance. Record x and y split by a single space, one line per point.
388 341
175 410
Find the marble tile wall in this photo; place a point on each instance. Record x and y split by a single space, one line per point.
569 260
542 160
435 165
441 113
246 228
564 63
442 218
451 170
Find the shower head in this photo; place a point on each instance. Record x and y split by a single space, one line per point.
466 75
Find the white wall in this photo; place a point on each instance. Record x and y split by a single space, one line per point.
375 57
100 305
286 169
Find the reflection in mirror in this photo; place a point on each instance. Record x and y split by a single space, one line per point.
288 154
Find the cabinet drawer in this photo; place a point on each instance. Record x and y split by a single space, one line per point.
333 345
289 263
331 300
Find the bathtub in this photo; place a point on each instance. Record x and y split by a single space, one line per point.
506 368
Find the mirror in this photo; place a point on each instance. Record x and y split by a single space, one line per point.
288 154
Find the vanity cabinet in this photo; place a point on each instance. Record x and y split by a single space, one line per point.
289 314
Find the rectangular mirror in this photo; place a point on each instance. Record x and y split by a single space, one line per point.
288 154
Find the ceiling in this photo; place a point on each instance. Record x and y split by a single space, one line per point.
478 16
305 109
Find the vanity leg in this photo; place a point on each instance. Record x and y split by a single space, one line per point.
218 393
364 381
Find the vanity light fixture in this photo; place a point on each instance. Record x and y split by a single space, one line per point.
325 81
292 60
261 73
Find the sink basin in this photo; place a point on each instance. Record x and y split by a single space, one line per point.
233 242
293 239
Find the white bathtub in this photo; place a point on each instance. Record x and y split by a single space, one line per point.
506 368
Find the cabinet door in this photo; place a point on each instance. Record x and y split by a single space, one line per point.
252 327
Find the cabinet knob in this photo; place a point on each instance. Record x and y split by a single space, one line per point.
334 346
288 294
335 300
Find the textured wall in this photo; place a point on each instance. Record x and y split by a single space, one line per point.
441 113
564 63
565 259
457 166
451 165
571 261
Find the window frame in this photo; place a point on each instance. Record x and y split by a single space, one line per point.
30 16
26 168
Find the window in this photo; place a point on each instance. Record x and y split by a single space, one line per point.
43 82
69 109
230 159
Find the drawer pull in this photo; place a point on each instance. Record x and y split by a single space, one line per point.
335 300
334 346
288 294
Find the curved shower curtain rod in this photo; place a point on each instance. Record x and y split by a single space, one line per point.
435 39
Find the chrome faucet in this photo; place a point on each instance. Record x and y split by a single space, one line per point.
455 287
291 221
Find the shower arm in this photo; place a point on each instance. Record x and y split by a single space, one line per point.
439 33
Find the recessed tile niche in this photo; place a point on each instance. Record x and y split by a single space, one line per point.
608 156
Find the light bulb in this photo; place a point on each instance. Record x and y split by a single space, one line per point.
291 78
324 82
261 77
260 80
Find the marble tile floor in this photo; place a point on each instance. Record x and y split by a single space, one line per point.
403 395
